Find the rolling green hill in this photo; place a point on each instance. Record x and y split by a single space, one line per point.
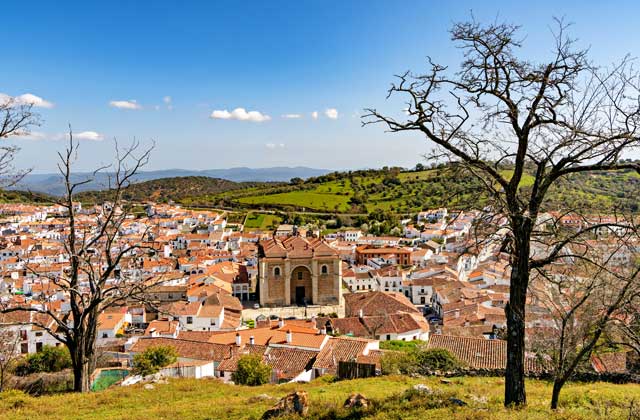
410 191
361 192
172 189
14 196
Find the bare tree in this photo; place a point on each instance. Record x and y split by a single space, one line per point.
16 119
9 352
585 299
97 250
502 117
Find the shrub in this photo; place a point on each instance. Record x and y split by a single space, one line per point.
412 361
399 345
437 359
398 362
251 371
152 359
49 359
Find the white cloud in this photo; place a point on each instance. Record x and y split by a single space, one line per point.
239 114
167 101
291 116
34 135
273 146
89 135
130 104
314 115
26 99
331 113
82 135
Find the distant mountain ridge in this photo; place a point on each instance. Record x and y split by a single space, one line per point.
52 183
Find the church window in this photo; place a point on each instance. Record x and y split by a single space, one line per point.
276 271
324 269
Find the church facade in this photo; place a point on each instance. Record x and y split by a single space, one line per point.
298 271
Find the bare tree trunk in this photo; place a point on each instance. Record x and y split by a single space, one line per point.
558 383
515 394
82 361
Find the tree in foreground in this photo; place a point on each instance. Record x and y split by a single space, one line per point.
152 359
251 371
9 352
502 117
16 119
588 300
97 251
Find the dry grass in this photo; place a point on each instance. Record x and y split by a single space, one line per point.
209 399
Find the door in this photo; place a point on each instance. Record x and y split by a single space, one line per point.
300 298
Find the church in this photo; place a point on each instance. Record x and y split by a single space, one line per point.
298 271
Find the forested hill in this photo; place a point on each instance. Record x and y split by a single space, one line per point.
356 192
172 189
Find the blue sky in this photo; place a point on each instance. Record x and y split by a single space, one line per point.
273 57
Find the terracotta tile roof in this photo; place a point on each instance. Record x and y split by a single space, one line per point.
187 349
615 362
289 363
196 335
269 336
377 303
479 353
296 247
162 326
231 364
339 349
368 326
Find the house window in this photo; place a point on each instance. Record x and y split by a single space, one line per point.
24 348
39 334
189 320
38 347
324 269
105 335
276 271
388 337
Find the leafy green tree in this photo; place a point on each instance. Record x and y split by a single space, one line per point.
251 371
153 358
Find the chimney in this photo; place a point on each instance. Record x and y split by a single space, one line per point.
456 313
361 313
323 331
252 341
289 336
280 323
238 339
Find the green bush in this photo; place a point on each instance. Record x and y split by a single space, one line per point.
418 361
399 345
437 359
152 359
49 359
251 371
398 362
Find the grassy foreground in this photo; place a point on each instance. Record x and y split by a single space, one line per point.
209 399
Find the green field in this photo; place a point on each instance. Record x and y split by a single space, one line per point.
210 399
261 221
311 200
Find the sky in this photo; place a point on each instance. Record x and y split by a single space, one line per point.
217 84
